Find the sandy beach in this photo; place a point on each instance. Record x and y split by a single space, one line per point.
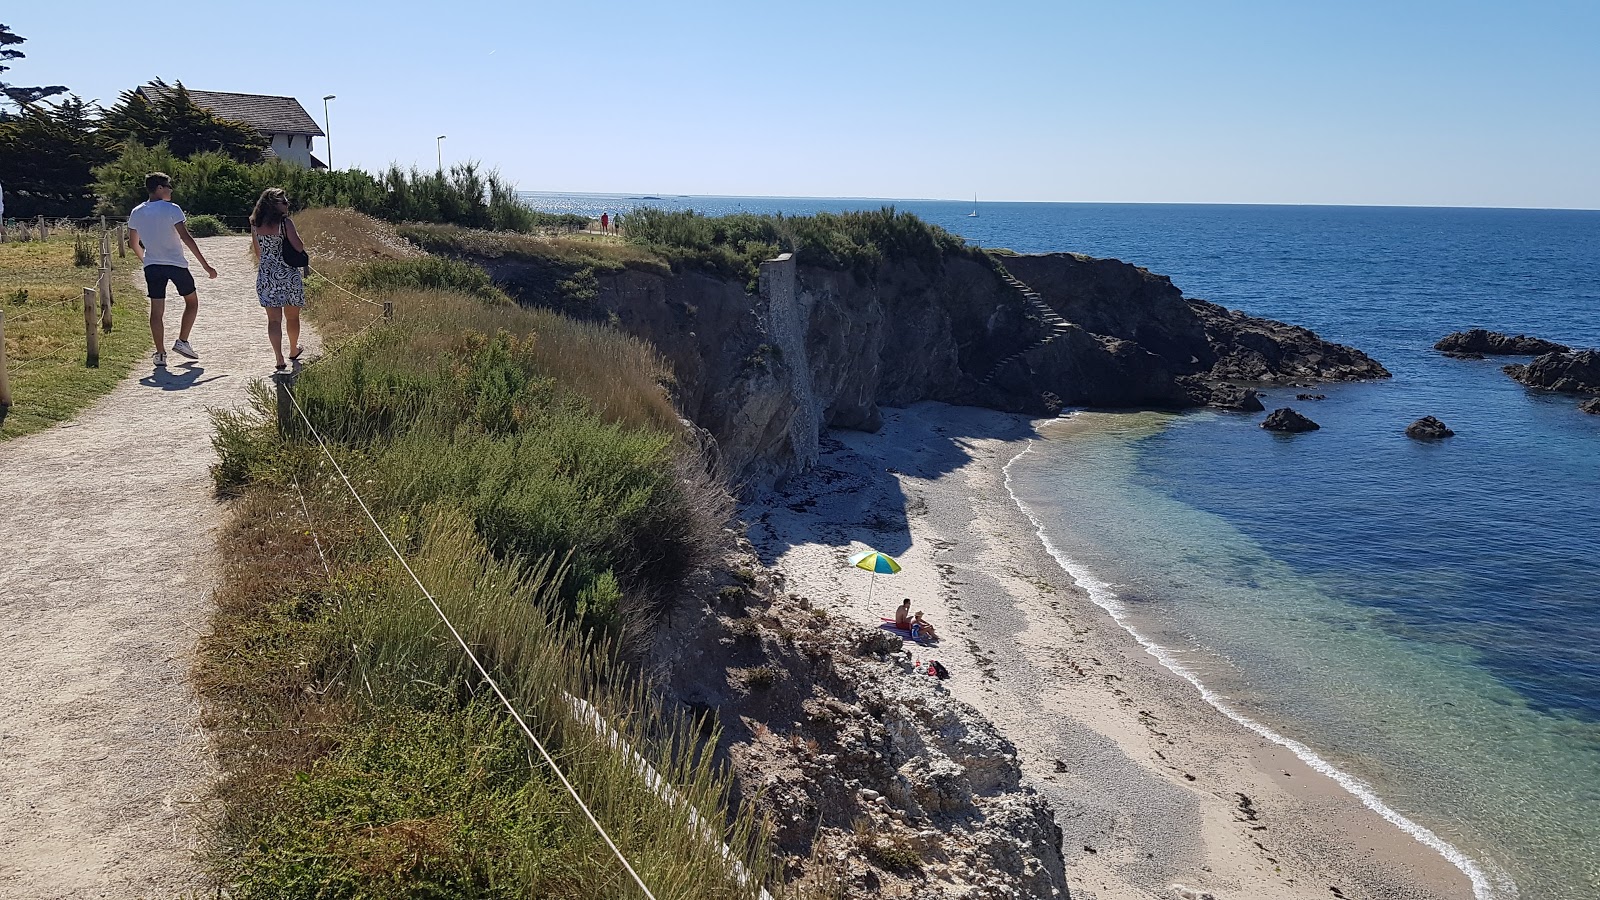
1157 793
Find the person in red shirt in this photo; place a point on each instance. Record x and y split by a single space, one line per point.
605 221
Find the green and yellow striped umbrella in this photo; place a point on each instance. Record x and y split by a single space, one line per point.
874 562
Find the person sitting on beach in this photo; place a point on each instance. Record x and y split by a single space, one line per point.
921 630
902 616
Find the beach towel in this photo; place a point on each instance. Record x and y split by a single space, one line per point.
888 625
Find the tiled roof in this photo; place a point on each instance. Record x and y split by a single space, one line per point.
268 115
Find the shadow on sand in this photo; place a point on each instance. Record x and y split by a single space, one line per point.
178 378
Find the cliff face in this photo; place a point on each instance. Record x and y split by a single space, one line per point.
817 348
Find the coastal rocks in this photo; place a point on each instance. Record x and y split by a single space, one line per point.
1230 396
1428 428
1591 406
765 371
1573 372
855 759
1479 342
1287 420
1248 348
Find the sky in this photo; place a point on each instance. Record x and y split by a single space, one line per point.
1358 102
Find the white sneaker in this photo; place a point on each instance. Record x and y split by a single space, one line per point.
161 359
184 348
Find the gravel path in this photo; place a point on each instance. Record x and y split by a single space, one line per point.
107 543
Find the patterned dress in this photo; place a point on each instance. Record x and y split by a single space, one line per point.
277 283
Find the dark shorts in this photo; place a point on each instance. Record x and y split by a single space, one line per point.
156 278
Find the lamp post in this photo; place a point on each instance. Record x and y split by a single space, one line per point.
328 127
438 145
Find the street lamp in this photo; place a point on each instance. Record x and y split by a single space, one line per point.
328 127
438 145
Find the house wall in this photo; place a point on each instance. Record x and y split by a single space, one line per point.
293 148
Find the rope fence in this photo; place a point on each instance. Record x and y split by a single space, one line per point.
489 679
582 709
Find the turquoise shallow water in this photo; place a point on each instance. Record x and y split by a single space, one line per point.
1424 617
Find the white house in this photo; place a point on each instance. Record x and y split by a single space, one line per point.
281 119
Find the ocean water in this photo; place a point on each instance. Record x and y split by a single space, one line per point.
1421 619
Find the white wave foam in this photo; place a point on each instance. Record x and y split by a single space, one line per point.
1485 886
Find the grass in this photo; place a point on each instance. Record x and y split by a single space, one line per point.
533 472
735 245
41 293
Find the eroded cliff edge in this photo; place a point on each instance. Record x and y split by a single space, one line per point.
766 371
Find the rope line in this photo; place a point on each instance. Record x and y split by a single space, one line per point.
467 649
342 287
339 600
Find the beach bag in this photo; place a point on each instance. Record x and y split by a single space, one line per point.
295 259
939 670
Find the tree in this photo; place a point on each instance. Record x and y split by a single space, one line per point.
23 97
50 152
172 118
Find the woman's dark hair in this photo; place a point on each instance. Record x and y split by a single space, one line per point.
267 213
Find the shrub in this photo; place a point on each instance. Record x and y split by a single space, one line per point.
737 244
426 273
82 254
205 225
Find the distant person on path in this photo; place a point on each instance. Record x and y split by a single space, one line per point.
157 235
278 284
605 222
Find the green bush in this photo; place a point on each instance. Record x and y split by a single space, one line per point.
205 225
426 272
737 244
219 185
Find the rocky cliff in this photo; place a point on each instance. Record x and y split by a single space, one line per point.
814 348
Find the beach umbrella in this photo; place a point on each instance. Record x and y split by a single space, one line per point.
874 562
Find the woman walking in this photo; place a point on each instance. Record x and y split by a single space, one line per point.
278 284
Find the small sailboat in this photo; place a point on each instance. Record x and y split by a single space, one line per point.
974 213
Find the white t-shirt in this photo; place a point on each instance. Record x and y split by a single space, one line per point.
154 219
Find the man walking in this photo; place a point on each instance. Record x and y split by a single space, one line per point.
157 225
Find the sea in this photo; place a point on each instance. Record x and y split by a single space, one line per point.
1420 620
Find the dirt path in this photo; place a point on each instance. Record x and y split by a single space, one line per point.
107 536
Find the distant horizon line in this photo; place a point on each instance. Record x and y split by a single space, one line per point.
676 196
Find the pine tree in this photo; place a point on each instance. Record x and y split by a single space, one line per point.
50 152
23 97
173 118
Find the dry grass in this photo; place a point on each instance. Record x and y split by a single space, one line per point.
362 757
601 252
41 293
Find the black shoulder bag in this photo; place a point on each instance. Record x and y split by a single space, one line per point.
297 259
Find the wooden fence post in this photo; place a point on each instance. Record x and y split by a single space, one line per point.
44 229
285 407
90 332
388 310
5 383
122 241
105 276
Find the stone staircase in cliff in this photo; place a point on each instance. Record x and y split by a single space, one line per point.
1054 324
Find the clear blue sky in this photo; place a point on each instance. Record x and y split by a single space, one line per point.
1415 103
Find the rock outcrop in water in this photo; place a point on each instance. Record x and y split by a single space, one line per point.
766 372
1477 343
1591 406
1286 419
1572 372
1428 428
